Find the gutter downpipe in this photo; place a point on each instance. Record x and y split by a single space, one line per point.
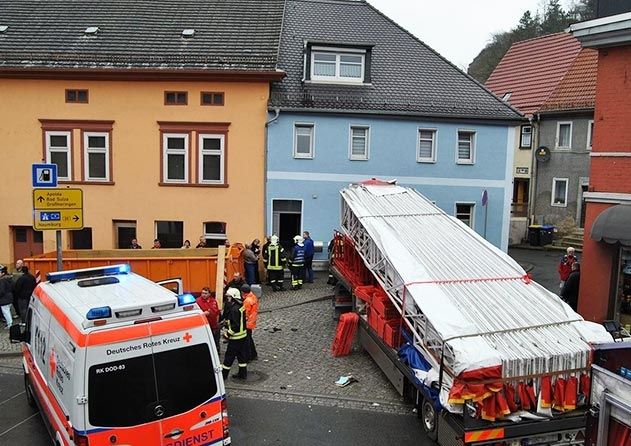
533 186
269 121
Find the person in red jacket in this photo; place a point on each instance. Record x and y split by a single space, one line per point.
251 305
565 266
209 306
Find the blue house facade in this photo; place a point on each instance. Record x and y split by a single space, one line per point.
365 99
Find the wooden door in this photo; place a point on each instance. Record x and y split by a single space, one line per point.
26 242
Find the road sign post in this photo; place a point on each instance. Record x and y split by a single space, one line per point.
57 209
485 204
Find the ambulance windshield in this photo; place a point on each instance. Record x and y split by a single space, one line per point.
126 392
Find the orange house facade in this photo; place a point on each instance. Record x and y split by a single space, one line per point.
173 149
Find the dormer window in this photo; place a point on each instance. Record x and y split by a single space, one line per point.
338 65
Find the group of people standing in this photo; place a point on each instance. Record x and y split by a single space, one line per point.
15 290
299 259
238 321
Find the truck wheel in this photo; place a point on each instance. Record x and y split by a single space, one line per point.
28 390
429 418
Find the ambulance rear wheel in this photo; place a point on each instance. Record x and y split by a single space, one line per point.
28 390
429 419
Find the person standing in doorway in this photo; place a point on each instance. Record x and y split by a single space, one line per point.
6 296
565 265
208 304
23 289
236 334
275 261
569 292
251 304
309 252
297 263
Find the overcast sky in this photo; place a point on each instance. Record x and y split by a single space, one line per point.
457 29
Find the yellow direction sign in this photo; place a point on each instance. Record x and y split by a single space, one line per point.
57 199
57 209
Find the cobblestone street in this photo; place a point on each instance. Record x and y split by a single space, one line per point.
294 336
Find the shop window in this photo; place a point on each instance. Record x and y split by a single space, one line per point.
170 233
81 239
214 233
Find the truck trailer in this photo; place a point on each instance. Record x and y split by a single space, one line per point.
487 355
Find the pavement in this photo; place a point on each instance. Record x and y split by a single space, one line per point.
294 336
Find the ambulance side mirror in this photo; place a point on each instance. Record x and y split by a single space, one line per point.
18 333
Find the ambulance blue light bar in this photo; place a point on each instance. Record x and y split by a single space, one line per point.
185 299
99 313
111 270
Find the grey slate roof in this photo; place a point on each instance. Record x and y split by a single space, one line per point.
407 76
229 34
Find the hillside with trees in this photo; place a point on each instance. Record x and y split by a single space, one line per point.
553 19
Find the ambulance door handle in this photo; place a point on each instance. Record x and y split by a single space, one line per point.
174 433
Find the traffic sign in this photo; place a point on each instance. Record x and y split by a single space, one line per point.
63 219
55 209
44 175
55 199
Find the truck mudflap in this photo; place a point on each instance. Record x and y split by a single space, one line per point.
567 429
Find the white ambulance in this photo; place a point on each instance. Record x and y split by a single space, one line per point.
111 358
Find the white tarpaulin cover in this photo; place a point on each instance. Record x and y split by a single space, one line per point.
476 297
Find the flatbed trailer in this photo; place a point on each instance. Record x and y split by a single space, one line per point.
449 429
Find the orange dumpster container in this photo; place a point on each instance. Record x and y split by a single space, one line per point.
196 267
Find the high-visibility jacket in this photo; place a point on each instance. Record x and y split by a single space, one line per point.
236 322
275 257
251 305
298 255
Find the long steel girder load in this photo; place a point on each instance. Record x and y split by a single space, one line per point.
465 301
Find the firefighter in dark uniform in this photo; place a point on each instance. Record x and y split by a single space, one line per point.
297 263
236 333
274 257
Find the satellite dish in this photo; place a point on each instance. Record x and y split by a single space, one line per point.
542 154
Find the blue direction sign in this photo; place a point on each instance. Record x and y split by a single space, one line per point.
44 175
50 216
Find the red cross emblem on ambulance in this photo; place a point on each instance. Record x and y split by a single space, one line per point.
187 337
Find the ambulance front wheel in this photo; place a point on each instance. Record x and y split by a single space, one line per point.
429 419
28 390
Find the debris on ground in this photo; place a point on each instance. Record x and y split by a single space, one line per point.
344 381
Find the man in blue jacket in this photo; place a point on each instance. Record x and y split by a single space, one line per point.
309 251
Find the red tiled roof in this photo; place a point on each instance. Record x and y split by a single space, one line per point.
532 69
577 90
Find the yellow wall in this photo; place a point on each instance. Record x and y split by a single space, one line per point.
523 157
135 108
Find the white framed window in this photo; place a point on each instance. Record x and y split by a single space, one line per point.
58 151
215 233
426 147
211 158
590 133
525 137
465 212
96 157
564 135
359 142
304 140
559 192
175 157
337 65
465 151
